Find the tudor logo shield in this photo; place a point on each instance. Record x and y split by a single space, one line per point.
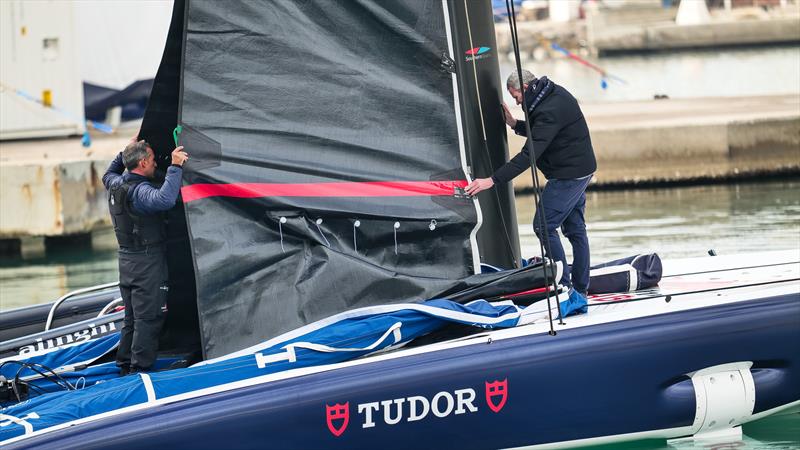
337 414
496 394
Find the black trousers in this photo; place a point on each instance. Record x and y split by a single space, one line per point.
143 285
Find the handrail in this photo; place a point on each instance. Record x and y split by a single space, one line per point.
68 295
109 306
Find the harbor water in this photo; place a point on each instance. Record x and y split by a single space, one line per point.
673 222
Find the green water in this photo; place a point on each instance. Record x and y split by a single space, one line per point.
684 222
675 222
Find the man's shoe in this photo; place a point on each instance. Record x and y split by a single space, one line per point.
576 303
585 308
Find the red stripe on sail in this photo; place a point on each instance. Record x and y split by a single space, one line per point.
344 189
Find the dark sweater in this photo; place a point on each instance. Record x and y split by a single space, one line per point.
560 140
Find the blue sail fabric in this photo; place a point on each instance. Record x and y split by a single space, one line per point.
338 338
69 357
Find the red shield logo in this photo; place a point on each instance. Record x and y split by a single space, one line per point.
338 412
496 394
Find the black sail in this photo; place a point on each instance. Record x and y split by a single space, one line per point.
330 143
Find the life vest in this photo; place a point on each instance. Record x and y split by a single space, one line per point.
132 230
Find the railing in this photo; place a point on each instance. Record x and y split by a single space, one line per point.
69 295
110 306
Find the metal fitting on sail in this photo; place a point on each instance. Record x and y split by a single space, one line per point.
446 64
432 225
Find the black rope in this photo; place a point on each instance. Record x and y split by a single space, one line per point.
36 388
54 378
512 22
731 269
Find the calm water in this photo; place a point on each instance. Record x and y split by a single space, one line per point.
674 222
684 222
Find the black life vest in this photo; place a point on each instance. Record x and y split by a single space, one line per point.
133 231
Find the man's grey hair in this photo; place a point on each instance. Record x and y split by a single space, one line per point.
133 153
513 79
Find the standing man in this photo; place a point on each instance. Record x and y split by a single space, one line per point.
137 209
564 154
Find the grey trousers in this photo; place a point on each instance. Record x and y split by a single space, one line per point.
143 284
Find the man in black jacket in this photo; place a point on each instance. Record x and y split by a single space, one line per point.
564 154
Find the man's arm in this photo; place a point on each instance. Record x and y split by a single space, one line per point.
149 200
114 171
545 128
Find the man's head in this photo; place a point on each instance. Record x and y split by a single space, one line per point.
140 159
513 84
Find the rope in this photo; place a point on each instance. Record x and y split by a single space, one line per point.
485 143
512 22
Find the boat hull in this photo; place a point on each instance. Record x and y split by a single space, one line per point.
606 382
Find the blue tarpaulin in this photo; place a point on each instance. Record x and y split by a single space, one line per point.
71 357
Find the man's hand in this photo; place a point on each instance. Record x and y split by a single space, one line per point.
179 156
508 117
135 137
478 185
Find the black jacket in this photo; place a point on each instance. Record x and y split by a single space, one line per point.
560 139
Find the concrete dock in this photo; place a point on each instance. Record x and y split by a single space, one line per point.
54 187
646 27
651 28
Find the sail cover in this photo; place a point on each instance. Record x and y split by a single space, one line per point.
328 155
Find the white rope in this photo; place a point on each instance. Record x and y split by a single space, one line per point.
280 230
396 226
356 224
318 222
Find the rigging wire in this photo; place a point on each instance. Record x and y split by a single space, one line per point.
543 241
731 269
668 297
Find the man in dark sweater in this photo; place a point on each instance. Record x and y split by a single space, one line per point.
564 154
137 206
